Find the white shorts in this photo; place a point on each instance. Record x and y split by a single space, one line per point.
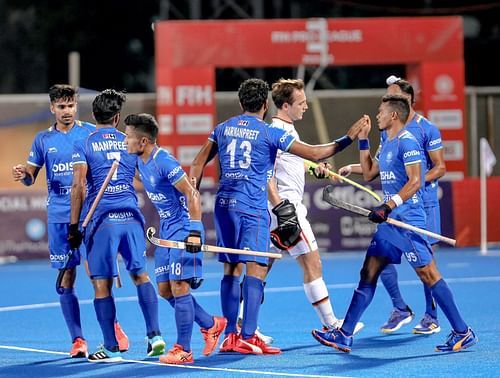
307 241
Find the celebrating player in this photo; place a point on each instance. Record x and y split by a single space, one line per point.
178 205
116 225
400 165
288 184
53 148
429 137
247 149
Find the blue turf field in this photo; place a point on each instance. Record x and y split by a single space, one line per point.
34 340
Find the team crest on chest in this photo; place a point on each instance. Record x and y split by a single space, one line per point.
388 157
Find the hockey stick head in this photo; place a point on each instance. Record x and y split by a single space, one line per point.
150 233
329 197
60 275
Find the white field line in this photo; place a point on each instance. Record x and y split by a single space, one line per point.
193 367
269 290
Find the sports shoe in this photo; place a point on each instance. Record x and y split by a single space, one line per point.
156 346
254 345
121 337
267 339
105 355
458 341
397 319
212 335
427 326
177 356
229 343
79 348
340 322
334 338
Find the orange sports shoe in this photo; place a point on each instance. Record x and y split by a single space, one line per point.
121 337
229 343
79 348
254 345
212 335
177 356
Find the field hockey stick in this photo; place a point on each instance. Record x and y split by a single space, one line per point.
85 223
204 247
328 197
313 165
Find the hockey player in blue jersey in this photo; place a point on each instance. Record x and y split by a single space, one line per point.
429 137
247 148
400 165
53 148
179 208
116 225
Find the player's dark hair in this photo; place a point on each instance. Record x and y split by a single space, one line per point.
144 123
107 104
282 91
62 92
398 104
407 88
253 94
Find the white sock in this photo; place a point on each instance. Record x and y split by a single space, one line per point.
317 294
240 313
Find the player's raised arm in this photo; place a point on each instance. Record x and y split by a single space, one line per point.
207 152
369 166
324 151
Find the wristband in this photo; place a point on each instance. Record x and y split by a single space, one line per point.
397 200
343 142
27 180
74 228
363 144
196 225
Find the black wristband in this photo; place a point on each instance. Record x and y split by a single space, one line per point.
343 142
73 227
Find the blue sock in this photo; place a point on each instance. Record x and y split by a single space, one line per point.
184 319
430 303
230 301
444 297
171 301
201 317
253 289
389 277
71 311
361 298
106 313
149 306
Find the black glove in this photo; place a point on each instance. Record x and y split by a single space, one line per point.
380 213
313 172
75 236
192 247
195 283
287 234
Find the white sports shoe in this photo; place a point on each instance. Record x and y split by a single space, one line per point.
268 340
340 322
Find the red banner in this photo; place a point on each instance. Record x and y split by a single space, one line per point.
187 53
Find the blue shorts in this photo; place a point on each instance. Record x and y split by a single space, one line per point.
244 227
112 233
392 242
59 246
433 221
173 264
